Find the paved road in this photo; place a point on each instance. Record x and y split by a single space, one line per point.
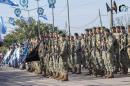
15 77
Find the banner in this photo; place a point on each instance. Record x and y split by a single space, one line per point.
9 2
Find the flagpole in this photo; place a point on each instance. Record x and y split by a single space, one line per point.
100 18
38 23
53 19
111 16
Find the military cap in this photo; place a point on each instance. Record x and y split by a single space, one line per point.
94 28
98 28
113 27
117 27
82 34
63 35
107 30
87 30
76 34
90 29
60 32
102 28
128 26
122 27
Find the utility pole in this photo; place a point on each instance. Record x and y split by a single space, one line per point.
68 10
53 20
100 18
38 22
111 15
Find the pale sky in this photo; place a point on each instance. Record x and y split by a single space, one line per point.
83 13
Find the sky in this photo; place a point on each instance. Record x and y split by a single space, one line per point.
83 13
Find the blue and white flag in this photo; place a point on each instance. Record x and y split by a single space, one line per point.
9 2
11 21
44 17
2 26
1 40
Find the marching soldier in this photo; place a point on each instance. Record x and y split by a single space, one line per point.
72 55
83 59
78 53
87 50
64 57
128 50
108 53
117 49
123 51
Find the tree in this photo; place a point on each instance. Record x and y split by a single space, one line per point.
25 30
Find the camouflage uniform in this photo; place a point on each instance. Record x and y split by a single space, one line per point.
64 58
83 45
117 49
123 52
78 53
72 55
108 52
128 49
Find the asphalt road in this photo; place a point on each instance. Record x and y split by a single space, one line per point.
15 77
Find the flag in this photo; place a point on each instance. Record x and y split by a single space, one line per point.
2 26
9 2
1 40
44 17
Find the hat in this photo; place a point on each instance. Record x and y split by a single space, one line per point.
87 30
123 27
63 35
107 30
94 28
117 27
128 26
98 28
113 27
76 34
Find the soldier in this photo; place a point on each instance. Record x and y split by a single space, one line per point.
87 50
78 53
94 52
83 59
117 49
98 57
68 38
123 51
64 53
89 47
128 50
72 55
108 52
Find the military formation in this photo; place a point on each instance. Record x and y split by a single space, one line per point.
99 51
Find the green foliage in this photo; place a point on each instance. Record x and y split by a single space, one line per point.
24 31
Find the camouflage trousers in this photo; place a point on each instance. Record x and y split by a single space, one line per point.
97 59
108 61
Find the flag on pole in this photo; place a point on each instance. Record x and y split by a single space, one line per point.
1 40
44 17
2 26
9 2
